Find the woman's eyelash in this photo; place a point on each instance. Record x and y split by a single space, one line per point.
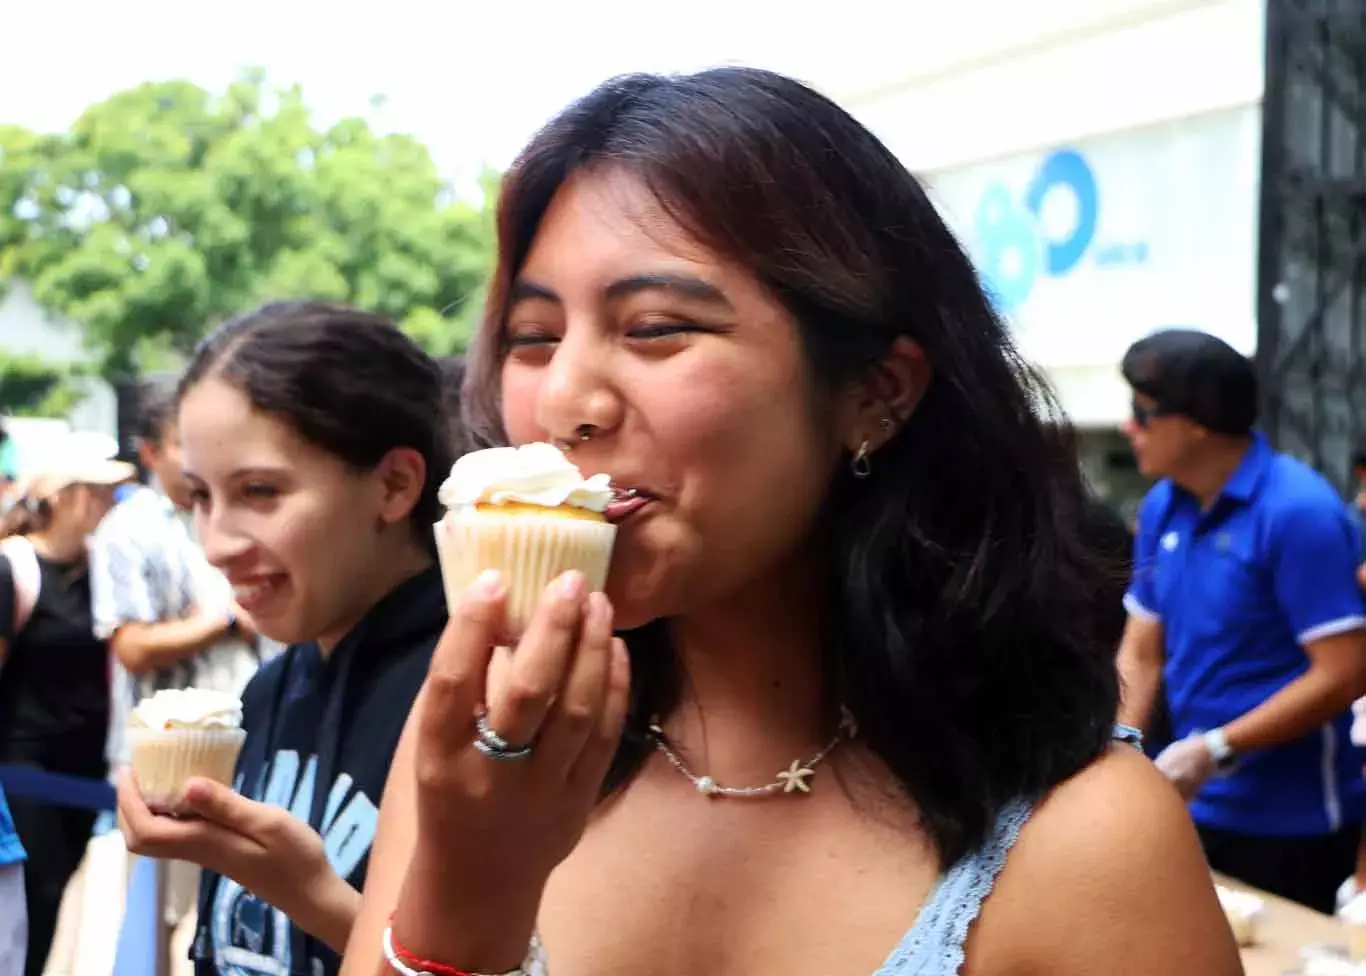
653 330
648 330
531 339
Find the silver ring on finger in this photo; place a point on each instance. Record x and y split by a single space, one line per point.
493 745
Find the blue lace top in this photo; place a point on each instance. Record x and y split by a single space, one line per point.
934 945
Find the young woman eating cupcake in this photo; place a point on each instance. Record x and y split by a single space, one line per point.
867 719
315 441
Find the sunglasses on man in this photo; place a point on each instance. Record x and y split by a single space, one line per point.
1143 415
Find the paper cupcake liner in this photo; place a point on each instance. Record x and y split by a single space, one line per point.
163 760
528 551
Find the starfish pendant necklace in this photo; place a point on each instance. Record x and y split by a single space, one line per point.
793 779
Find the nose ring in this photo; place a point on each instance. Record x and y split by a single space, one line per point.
583 432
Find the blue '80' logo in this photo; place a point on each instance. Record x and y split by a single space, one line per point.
1013 250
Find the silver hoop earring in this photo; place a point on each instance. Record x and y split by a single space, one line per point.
861 466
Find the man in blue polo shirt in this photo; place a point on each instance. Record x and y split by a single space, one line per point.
13 913
1244 597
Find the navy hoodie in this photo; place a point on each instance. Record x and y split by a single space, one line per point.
320 738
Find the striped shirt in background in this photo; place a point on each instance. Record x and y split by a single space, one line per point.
146 567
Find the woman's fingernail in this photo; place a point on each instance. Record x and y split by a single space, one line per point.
570 585
598 605
488 585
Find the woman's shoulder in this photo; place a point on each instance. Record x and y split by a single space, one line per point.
1107 859
1107 818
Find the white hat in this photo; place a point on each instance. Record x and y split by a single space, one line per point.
78 471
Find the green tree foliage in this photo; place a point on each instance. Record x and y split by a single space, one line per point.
166 209
33 387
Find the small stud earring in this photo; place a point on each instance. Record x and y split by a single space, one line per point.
861 466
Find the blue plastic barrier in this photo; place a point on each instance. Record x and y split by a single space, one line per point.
141 934
142 929
56 789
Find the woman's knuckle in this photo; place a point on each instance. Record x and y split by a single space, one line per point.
479 790
430 772
444 687
444 682
523 690
578 716
274 831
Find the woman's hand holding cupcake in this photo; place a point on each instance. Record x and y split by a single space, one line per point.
263 848
501 803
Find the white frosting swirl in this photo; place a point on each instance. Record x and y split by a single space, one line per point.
533 474
188 708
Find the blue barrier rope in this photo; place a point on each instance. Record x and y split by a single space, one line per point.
56 789
141 932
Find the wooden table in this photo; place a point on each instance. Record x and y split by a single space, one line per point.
1284 929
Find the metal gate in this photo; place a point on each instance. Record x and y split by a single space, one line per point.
1311 341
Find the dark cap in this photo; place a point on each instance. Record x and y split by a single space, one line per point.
1193 374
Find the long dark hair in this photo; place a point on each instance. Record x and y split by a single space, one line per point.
963 623
24 516
348 381
453 383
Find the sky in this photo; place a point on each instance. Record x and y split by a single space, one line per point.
474 80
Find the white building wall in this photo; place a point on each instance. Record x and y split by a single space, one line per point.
1161 102
1022 76
26 328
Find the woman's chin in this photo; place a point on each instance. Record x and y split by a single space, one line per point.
282 629
633 605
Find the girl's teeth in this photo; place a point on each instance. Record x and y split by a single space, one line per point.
251 592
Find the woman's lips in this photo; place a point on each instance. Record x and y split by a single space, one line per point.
625 503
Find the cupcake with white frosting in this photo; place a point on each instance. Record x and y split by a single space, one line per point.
528 513
177 734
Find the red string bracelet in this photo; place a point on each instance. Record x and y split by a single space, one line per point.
424 966
406 964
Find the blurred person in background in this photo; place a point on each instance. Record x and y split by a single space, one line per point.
314 484
13 904
1358 507
1356 884
1244 596
168 615
9 468
54 671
